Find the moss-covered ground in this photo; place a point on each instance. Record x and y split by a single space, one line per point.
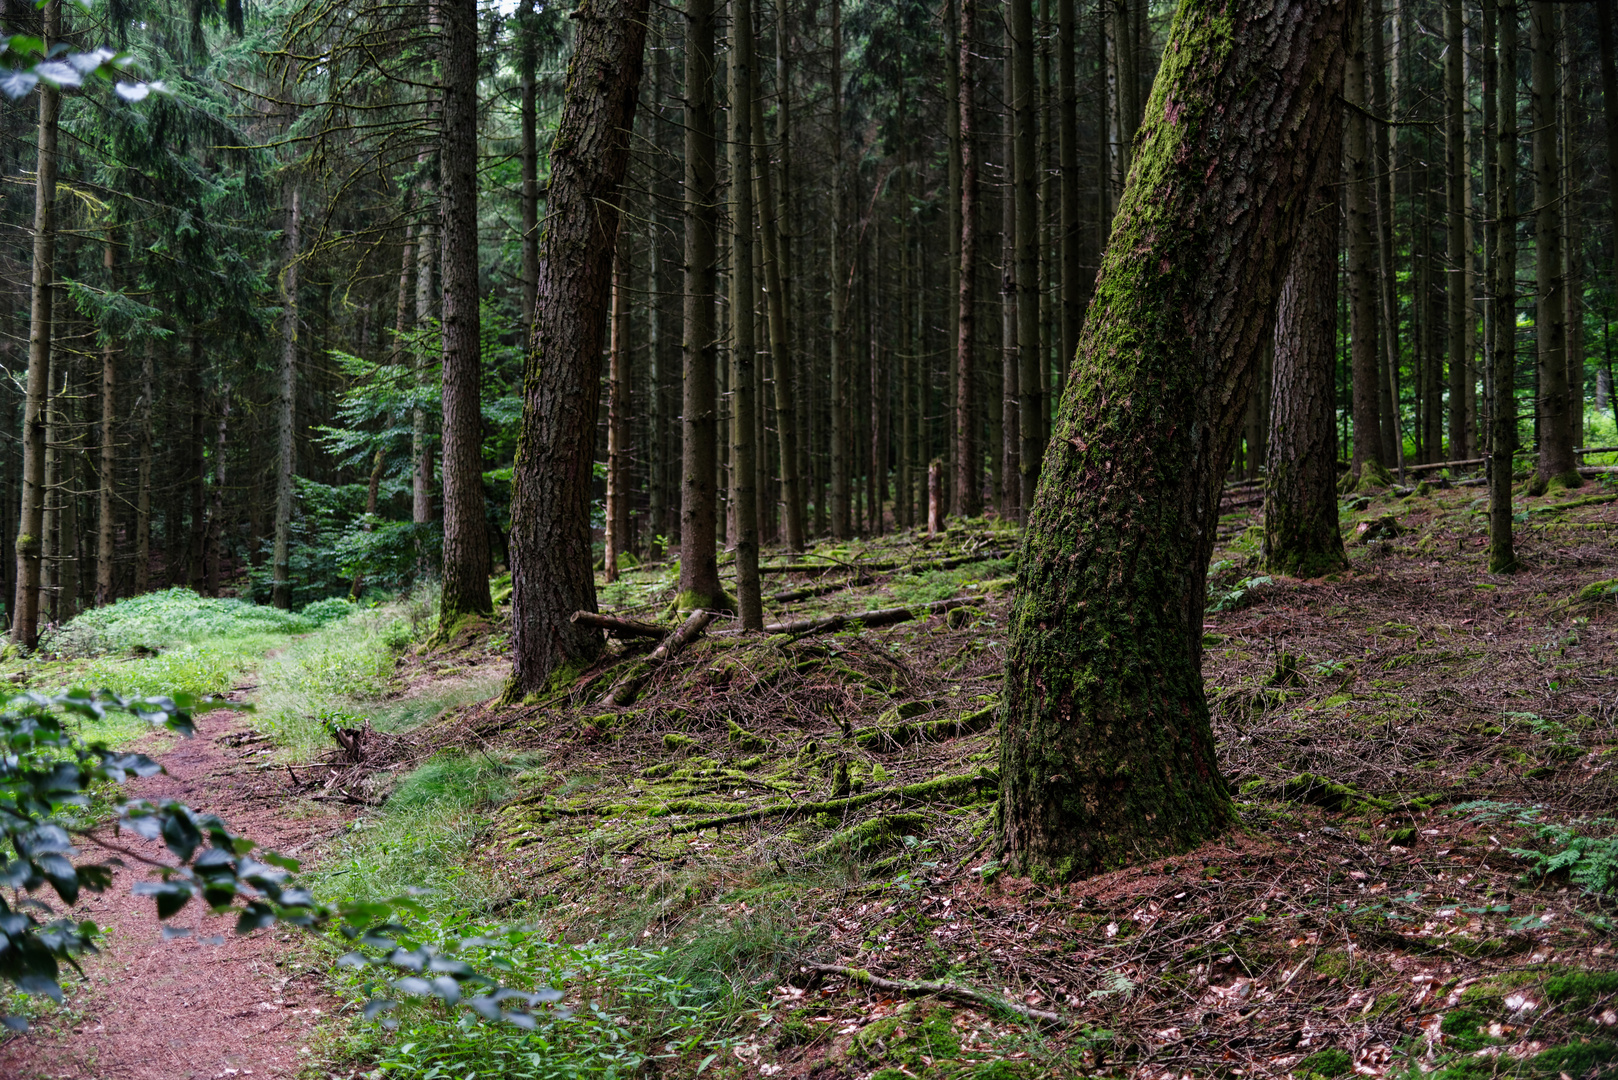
1420 753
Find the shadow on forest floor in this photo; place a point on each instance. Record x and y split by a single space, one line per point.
1421 757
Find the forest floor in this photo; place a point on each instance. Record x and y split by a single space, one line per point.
1420 754
1410 742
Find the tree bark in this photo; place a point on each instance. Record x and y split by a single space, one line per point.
699 566
1393 441
106 510
550 513
1458 257
618 409
1106 750
1025 180
466 531
281 564
1067 128
1361 272
421 440
1573 182
143 472
1503 363
214 556
841 428
781 356
1609 107
743 343
1300 476
528 153
1556 461
968 471
31 519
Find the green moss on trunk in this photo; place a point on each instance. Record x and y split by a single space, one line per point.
1107 752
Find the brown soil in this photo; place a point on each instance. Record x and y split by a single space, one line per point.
189 1009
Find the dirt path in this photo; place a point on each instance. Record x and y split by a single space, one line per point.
184 1009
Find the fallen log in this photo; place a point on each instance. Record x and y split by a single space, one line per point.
898 735
618 627
880 617
954 991
623 691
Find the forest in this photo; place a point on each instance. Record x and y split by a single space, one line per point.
831 539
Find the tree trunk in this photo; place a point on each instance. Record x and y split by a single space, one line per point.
1011 501
618 410
1300 476
968 470
699 567
466 529
143 473
841 428
550 513
1067 134
1609 107
1106 751
1025 180
1573 229
743 344
1503 363
281 566
106 511
421 440
1123 47
528 153
1367 463
1556 461
781 357
214 557
30 520
1393 440
1458 257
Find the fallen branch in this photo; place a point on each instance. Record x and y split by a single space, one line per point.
898 735
963 994
623 691
924 792
618 627
879 617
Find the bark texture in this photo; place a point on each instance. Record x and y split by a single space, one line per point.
1106 751
1361 269
1556 461
281 567
1503 364
31 519
466 529
968 472
550 514
743 341
1300 481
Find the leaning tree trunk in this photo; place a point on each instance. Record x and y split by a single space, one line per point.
1300 475
281 567
551 574
1106 749
31 520
466 528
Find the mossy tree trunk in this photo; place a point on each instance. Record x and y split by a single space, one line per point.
1300 476
1107 753
552 574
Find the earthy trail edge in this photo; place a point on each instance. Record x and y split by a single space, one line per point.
151 1009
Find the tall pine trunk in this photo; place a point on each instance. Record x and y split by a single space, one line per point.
618 409
281 561
968 470
1025 185
528 155
1557 463
143 470
31 518
551 566
466 531
1503 362
106 509
1364 363
1458 257
744 447
699 566
1106 750
842 435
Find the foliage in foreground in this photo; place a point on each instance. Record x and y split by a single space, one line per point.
47 778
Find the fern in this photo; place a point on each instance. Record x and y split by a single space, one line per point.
1590 861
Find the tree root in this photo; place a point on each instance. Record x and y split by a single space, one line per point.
964 994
